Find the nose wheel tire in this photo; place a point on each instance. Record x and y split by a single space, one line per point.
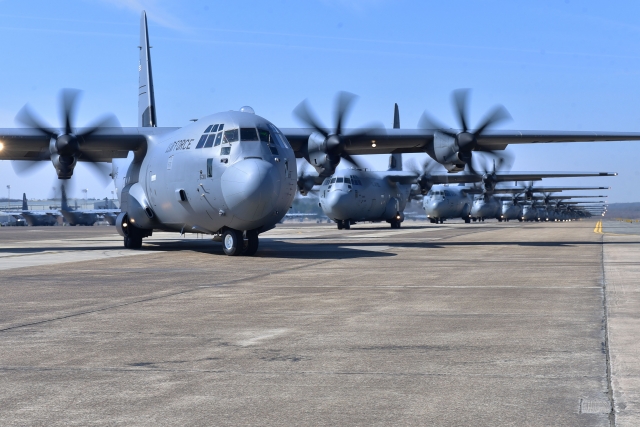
232 242
251 244
395 224
134 239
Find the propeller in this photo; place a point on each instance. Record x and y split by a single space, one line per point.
423 170
335 141
467 139
69 144
305 180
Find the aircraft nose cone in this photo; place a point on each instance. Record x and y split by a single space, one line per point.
250 189
337 205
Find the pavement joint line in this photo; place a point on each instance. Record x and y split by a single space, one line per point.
283 372
605 314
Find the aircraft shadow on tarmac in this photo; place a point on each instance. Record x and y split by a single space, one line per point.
318 250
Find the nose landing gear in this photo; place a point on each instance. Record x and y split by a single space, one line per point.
234 243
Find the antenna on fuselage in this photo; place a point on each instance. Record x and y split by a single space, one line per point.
146 98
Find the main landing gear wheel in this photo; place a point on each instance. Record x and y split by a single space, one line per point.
251 245
343 225
134 239
232 242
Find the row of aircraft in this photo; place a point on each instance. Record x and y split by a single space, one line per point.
70 215
355 194
234 175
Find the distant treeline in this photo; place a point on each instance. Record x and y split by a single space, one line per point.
623 210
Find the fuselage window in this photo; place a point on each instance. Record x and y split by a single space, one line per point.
203 138
230 136
340 179
210 140
224 151
248 134
210 168
208 129
218 139
215 128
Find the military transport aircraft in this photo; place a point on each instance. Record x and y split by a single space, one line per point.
444 202
75 216
35 217
233 174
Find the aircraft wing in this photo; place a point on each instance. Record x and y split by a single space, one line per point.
513 190
384 141
528 176
104 145
408 177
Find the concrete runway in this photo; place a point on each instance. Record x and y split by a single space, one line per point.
480 324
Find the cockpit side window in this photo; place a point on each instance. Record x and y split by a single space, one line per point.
230 136
265 136
326 181
248 134
333 180
347 180
281 140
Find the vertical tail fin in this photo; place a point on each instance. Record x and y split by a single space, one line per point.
63 199
395 160
25 206
146 98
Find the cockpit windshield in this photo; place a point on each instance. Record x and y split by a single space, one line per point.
248 134
230 136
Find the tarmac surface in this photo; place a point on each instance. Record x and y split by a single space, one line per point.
456 324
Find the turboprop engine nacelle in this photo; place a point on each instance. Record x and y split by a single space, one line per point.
447 152
318 157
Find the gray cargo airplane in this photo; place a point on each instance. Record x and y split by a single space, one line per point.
34 217
444 202
233 174
75 216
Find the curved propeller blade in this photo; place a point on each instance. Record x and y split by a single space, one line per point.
29 118
304 113
344 104
27 167
460 99
68 105
496 115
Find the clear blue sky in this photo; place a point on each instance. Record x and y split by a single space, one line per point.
555 65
